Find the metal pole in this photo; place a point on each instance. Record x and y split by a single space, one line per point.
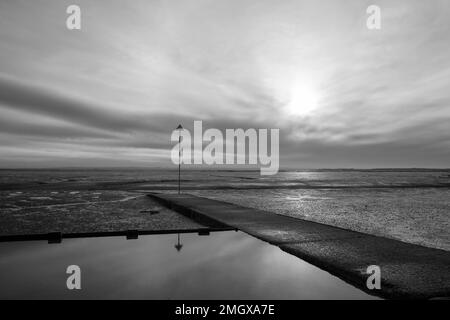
179 162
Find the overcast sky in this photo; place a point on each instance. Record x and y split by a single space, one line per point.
111 93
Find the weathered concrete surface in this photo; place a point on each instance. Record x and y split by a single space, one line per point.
407 270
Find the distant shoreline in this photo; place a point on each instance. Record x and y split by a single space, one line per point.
187 168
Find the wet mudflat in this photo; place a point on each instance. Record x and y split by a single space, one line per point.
34 211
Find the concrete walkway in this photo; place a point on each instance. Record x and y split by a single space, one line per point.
407 270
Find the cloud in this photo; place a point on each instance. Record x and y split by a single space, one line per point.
137 69
34 100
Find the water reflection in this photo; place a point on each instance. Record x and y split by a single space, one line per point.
178 246
225 265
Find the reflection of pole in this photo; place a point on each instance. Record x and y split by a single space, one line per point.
178 246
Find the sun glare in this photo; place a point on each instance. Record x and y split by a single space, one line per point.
303 100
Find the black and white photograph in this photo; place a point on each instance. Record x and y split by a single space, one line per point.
209 152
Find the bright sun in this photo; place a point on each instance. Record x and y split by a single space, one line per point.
303 100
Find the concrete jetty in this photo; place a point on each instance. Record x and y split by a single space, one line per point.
407 270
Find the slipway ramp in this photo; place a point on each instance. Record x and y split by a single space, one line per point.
407 270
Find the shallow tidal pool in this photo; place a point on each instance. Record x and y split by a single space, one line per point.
222 265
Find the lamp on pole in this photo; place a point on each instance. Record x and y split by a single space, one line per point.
179 128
